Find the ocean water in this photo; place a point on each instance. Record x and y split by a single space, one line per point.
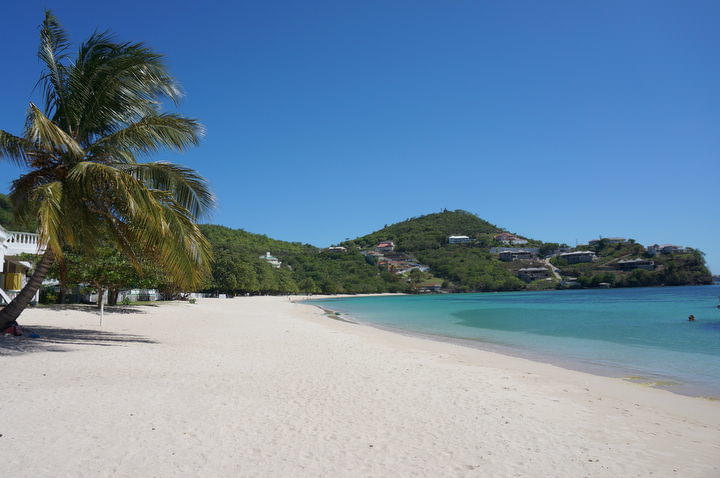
641 334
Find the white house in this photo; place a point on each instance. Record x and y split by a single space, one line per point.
458 239
273 261
13 271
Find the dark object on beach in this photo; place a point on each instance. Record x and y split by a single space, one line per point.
691 318
13 329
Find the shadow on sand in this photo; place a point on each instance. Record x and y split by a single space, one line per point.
92 309
55 339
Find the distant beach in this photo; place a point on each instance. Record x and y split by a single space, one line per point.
264 386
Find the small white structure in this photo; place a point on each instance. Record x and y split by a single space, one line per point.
273 261
458 239
13 271
337 249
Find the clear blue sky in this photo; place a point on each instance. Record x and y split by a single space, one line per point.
561 121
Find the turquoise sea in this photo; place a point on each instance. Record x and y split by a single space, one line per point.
641 333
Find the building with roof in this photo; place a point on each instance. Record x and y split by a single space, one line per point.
13 270
530 274
507 238
385 246
458 240
512 256
273 261
578 257
665 249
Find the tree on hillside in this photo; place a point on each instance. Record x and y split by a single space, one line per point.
102 111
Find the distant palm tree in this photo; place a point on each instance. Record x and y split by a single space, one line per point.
102 110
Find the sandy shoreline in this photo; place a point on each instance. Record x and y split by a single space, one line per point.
584 367
262 386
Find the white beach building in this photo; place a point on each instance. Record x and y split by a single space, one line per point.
13 270
272 260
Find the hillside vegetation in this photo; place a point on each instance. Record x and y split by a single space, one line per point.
423 259
238 268
422 243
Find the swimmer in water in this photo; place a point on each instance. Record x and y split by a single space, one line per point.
691 318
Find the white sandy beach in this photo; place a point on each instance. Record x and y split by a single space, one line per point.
268 388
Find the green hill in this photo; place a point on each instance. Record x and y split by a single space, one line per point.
304 268
430 231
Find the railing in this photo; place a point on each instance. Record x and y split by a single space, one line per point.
23 242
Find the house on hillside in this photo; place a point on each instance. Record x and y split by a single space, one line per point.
498 250
273 261
578 257
337 249
430 286
519 255
633 264
458 240
665 249
385 246
14 271
530 274
507 238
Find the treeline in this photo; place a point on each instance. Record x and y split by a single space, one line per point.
238 268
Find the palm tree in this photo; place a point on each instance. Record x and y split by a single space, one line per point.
102 111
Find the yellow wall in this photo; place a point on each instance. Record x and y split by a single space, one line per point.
13 281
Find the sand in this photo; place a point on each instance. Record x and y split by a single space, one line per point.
269 388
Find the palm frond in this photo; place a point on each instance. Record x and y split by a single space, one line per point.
186 188
151 134
139 218
48 197
177 242
14 148
114 84
22 195
52 52
49 136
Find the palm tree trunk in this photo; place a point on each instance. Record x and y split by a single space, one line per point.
12 311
